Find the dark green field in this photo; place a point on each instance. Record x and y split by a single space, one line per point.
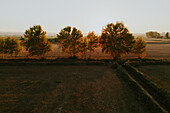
66 89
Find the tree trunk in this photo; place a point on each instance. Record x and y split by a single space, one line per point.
139 56
2 55
74 56
116 57
90 55
85 55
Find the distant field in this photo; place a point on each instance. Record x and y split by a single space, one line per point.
65 89
160 74
156 48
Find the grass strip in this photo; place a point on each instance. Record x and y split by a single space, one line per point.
139 91
158 93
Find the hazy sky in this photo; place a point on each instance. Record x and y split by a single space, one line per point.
139 16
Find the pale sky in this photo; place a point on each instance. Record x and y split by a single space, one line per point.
139 16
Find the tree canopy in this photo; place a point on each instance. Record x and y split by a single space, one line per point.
116 40
36 41
12 46
139 47
93 42
152 34
18 48
69 39
84 47
2 46
167 35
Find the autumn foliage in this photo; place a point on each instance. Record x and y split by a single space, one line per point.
10 46
70 40
116 40
93 42
36 41
2 46
84 47
139 47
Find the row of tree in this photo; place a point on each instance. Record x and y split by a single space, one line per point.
71 41
114 40
152 34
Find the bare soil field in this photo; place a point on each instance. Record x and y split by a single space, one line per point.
66 89
160 74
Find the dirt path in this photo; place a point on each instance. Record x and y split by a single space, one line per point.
65 89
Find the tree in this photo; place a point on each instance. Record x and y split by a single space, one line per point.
167 35
152 34
69 40
84 46
116 40
2 46
36 41
18 48
7 48
12 46
63 38
139 47
93 41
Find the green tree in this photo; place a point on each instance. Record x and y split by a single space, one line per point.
139 47
69 40
36 41
2 46
116 40
93 42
